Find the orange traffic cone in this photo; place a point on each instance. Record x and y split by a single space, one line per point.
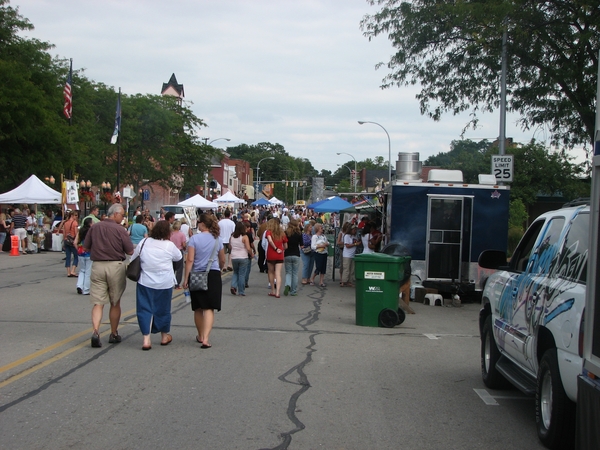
14 246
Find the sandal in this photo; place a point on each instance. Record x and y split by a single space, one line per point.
322 285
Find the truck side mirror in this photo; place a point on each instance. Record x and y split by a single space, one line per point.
492 259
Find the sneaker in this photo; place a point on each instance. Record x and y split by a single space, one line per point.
96 341
294 294
286 291
114 338
79 291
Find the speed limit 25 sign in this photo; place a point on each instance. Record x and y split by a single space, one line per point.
502 167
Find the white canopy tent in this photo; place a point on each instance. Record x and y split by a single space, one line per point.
229 197
199 202
275 201
32 191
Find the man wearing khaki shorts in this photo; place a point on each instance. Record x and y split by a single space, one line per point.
108 244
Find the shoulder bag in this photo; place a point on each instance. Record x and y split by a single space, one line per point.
69 238
199 280
134 269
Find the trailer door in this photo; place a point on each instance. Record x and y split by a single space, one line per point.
448 232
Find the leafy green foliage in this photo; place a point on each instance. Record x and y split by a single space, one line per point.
283 167
537 170
453 50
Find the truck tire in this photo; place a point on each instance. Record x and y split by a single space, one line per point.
489 357
554 411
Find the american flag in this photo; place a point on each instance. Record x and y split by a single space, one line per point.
68 108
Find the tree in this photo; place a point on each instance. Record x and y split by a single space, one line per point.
32 134
537 171
453 50
280 169
472 158
159 143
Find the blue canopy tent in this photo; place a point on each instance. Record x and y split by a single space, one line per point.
335 204
261 202
320 202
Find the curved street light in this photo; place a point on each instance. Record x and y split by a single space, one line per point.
217 139
257 176
355 171
361 122
349 170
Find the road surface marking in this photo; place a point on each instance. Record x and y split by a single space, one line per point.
486 397
430 336
52 347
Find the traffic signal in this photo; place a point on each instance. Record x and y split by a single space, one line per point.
213 184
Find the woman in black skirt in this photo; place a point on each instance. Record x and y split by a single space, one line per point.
200 249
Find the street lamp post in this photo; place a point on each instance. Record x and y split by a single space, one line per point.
355 172
258 177
206 174
349 170
361 122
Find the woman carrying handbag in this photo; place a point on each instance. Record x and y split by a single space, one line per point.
200 249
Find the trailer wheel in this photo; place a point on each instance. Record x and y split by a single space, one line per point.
489 357
554 411
388 318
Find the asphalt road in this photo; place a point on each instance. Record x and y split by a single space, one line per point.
294 372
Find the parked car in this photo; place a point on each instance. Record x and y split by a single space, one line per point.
531 321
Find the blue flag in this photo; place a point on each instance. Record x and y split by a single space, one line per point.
115 135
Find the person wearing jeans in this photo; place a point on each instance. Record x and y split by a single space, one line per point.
85 263
307 255
292 257
239 249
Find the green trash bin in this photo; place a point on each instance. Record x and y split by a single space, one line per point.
378 278
331 248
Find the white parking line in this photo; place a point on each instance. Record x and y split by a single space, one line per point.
486 397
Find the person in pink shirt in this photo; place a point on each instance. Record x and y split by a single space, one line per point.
179 239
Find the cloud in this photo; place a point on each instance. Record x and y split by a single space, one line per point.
295 73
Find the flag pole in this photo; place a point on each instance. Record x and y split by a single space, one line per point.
119 149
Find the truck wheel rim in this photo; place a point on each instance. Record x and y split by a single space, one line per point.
486 356
546 400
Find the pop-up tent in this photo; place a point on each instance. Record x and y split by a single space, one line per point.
335 204
229 197
199 202
33 190
275 201
261 202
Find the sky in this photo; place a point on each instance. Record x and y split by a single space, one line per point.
297 73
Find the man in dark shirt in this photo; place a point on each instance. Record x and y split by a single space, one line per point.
19 221
108 243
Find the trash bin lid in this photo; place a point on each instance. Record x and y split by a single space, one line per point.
380 258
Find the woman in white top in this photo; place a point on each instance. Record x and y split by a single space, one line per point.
365 238
350 244
239 247
319 244
154 290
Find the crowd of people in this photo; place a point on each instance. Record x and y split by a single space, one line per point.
97 250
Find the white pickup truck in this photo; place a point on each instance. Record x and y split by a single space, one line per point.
531 321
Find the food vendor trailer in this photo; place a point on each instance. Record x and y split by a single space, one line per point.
445 224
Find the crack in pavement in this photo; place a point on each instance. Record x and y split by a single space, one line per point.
301 380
